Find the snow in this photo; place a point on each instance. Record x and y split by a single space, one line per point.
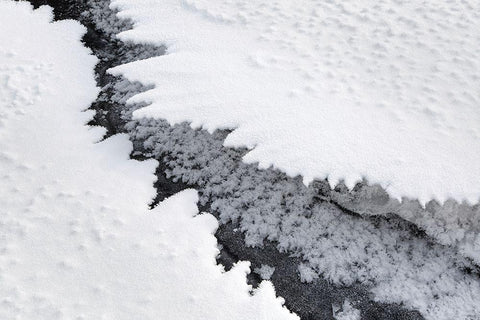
78 240
386 91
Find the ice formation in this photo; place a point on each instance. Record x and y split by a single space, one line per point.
265 271
346 312
77 239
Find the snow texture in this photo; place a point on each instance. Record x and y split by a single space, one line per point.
386 91
77 239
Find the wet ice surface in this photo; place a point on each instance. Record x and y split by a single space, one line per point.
243 194
77 238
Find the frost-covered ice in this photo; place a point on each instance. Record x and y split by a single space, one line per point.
386 90
346 312
307 273
265 271
77 239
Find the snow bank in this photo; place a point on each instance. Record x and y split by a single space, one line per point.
339 89
78 240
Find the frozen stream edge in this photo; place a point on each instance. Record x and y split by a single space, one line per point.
187 154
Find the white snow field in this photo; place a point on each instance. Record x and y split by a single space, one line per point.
383 90
77 240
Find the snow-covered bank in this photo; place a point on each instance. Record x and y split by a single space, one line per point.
77 239
338 89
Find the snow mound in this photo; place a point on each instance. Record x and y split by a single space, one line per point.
78 241
339 89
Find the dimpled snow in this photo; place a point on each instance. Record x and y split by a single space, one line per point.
382 90
76 238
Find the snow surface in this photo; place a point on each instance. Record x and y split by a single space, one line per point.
386 90
77 239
